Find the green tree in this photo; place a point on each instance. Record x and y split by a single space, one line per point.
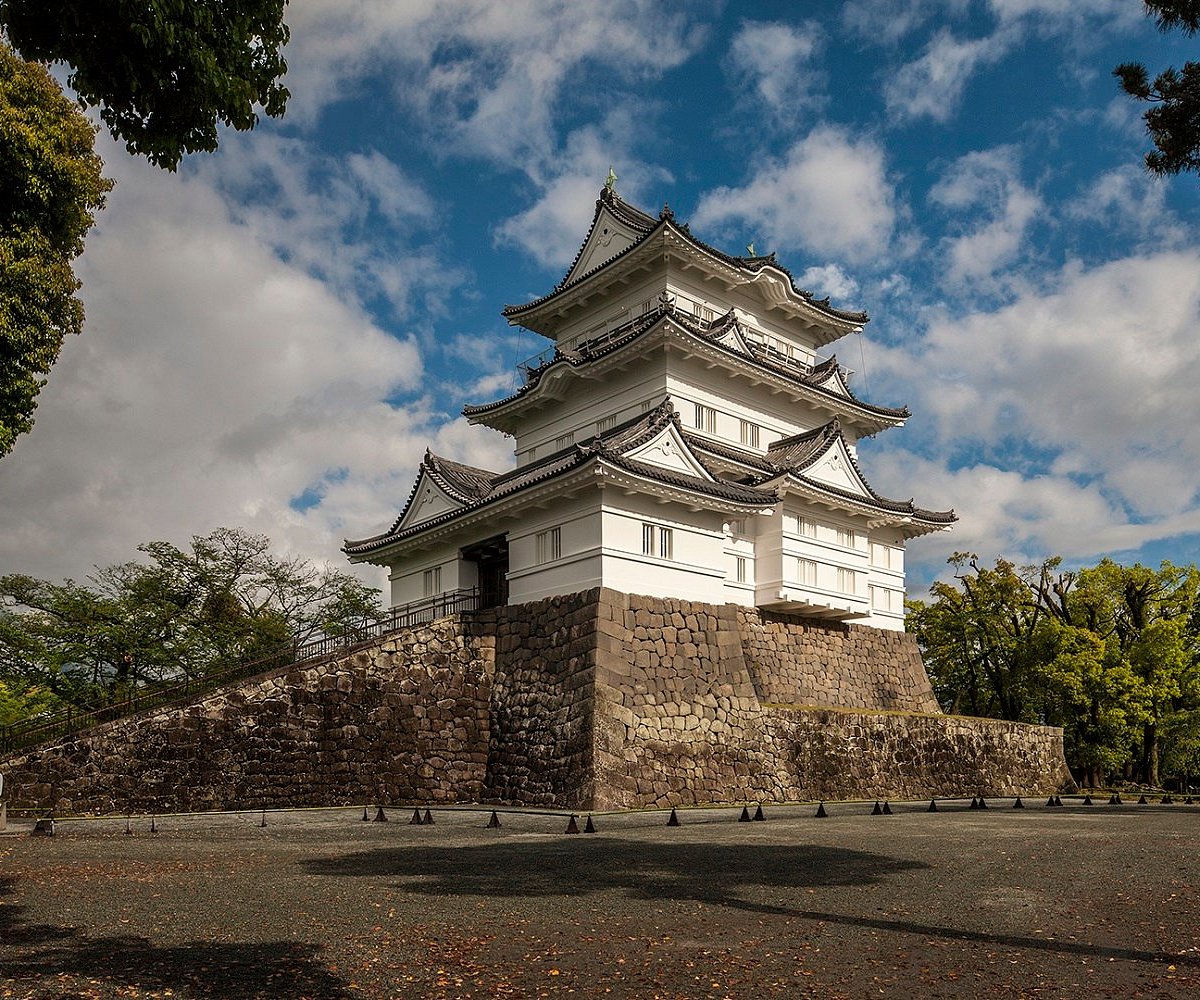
163 73
984 638
1173 122
224 599
50 188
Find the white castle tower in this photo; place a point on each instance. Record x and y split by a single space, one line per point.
680 439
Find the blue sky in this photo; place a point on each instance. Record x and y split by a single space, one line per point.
276 332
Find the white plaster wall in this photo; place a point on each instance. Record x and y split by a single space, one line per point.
407 578
578 566
624 395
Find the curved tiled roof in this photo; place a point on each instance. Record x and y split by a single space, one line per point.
611 448
793 455
593 350
647 226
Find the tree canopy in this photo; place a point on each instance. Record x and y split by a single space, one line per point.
1173 122
1111 653
50 188
163 73
181 612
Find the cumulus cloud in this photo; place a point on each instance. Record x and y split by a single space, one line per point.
485 78
932 86
359 223
829 194
551 229
1129 200
985 181
829 279
214 384
774 61
1090 381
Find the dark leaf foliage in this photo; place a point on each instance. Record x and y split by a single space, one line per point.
50 188
165 74
182 612
1173 122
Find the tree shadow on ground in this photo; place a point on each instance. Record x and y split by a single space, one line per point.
35 954
720 875
708 873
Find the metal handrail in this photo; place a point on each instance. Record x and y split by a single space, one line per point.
47 727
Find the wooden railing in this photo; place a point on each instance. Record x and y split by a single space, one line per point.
54 725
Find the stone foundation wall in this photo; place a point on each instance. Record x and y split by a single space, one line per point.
596 700
806 661
677 717
406 720
541 703
833 754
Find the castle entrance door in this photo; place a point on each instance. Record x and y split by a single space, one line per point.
491 556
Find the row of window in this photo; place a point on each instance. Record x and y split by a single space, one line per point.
705 419
656 541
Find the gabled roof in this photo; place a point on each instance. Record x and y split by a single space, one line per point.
620 450
824 384
645 228
822 461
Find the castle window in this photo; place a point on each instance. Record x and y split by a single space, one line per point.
806 527
806 572
606 424
883 599
431 581
563 441
881 555
845 536
657 541
548 545
749 434
706 418
847 581
739 566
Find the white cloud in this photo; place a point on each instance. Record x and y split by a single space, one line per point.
888 21
1084 390
932 86
351 222
774 60
213 384
987 181
1127 199
553 227
484 78
829 279
830 195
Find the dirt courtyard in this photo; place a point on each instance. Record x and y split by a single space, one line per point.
1097 901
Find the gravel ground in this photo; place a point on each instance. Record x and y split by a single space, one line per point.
1035 902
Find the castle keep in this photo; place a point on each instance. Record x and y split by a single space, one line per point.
686 591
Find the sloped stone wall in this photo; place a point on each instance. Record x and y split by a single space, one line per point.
805 661
406 720
678 719
837 754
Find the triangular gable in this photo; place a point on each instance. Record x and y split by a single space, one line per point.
733 339
836 468
832 379
668 450
609 236
428 501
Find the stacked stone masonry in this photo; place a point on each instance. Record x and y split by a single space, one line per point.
592 701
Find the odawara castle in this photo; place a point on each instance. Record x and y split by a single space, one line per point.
685 591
